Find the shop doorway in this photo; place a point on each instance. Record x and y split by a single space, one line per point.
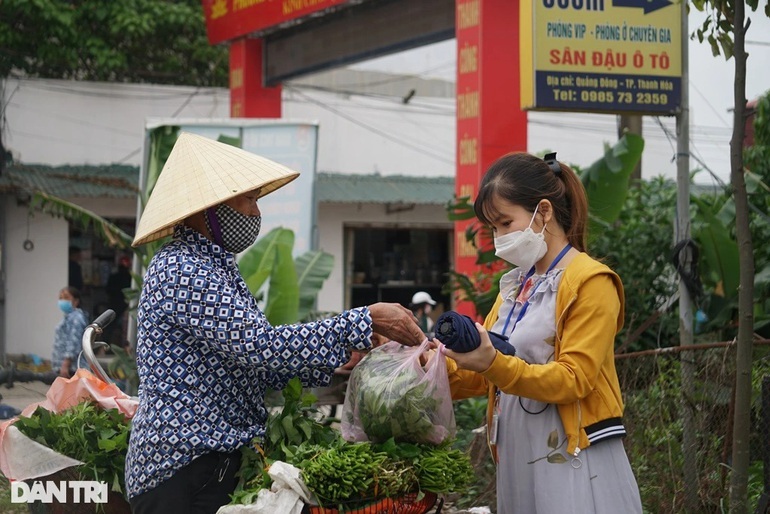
99 272
386 264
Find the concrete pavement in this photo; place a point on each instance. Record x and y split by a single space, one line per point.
23 394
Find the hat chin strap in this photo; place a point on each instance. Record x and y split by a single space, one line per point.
212 223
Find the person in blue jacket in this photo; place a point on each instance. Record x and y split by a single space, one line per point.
68 337
205 351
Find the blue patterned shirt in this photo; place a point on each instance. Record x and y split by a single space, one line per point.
206 353
68 339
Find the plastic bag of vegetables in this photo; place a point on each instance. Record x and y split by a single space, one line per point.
390 394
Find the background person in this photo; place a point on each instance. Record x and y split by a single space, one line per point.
556 407
75 277
68 336
205 351
116 300
422 305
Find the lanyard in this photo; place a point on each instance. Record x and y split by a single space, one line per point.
526 303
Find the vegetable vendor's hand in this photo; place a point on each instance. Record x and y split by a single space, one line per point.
479 359
396 322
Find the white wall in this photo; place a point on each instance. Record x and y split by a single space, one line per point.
360 134
333 217
33 279
65 122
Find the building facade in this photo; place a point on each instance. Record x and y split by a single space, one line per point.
388 231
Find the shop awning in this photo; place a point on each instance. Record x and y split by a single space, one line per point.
387 189
113 181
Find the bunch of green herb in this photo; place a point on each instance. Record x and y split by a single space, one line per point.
442 469
363 471
438 469
296 423
86 432
340 472
388 399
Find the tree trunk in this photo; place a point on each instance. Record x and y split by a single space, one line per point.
742 421
632 124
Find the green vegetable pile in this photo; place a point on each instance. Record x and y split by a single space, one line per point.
86 432
387 399
341 473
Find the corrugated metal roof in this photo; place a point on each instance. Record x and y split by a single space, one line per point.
340 188
111 181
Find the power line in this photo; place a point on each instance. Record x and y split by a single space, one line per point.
719 181
416 106
135 92
374 130
402 78
692 85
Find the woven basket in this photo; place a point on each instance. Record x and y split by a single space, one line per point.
407 504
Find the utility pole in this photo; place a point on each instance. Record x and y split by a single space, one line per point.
684 261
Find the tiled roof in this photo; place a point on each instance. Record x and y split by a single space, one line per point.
110 181
116 181
341 188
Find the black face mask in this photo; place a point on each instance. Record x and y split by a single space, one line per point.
232 230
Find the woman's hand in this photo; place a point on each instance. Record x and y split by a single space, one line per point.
479 359
397 323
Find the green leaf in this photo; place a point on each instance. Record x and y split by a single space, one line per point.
556 458
312 268
107 231
288 426
162 140
283 296
714 47
719 251
726 42
256 263
460 209
606 180
553 440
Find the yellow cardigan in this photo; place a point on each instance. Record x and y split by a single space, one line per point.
581 379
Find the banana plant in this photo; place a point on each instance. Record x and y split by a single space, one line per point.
110 233
606 181
713 228
292 285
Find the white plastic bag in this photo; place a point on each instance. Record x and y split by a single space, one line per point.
390 395
287 495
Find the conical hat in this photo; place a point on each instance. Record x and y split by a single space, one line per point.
199 173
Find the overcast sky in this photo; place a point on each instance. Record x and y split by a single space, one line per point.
711 100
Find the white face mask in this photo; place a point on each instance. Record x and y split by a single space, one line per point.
522 248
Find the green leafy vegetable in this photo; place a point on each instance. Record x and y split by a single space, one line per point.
86 432
339 472
387 399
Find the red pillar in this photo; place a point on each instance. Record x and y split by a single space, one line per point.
249 98
490 121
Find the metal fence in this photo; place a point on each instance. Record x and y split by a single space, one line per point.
666 413
679 415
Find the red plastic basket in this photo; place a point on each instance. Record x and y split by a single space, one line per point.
408 504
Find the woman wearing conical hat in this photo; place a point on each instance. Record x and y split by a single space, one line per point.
205 351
